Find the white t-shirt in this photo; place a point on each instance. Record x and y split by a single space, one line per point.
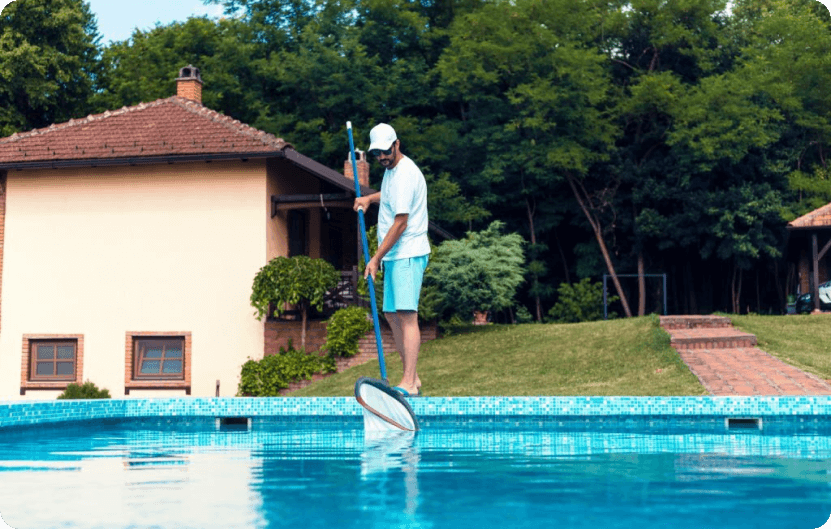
404 191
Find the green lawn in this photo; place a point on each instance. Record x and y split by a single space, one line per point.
803 341
617 357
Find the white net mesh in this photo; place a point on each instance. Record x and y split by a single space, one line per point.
384 408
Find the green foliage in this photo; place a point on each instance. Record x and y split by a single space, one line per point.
345 328
49 62
266 377
87 390
670 114
298 280
144 68
480 272
523 315
578 302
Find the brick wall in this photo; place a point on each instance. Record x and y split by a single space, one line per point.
278 333
366 346
363 168
189 89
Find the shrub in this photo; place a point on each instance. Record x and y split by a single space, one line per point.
345 329
266 377
578 302
87 390
298 280
523 315
481 272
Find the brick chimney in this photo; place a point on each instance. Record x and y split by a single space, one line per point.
363 168
189 84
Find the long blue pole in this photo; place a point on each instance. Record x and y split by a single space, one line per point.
371 281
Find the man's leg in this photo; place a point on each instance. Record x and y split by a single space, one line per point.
399 334
411 338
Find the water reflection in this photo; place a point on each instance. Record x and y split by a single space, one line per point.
388 454
337 475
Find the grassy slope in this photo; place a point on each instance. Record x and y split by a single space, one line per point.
617 357
802 341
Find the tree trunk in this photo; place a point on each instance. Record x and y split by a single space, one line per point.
562 256
598 234
736 288
641 285
530 211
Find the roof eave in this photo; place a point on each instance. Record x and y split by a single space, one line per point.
805 228
324 173
138 160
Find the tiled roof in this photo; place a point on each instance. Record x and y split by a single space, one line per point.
819 218
167 127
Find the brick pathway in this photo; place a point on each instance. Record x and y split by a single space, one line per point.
727 361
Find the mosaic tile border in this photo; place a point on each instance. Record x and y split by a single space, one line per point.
29 413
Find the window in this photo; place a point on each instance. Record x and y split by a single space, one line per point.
52 361
159 359
297 233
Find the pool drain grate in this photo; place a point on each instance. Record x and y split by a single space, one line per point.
743 423
233 423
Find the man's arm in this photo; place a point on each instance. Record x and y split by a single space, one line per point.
364 202
399 224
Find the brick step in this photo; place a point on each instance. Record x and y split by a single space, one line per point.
714 338
695 322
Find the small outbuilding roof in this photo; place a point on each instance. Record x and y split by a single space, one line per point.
819 218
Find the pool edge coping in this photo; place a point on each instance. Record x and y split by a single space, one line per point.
27 413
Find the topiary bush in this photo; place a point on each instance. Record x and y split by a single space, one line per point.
266 377
578 302
87 390
481 272
345 329
298 280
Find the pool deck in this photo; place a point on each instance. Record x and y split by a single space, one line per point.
728 363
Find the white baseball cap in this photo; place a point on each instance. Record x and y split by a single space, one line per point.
381 137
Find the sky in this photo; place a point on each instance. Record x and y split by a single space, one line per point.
117 18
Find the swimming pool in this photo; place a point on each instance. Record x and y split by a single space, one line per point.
487 462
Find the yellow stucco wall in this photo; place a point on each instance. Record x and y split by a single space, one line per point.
105 251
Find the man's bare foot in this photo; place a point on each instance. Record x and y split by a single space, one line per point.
411 390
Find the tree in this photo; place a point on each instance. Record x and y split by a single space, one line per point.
49 61
479 273
298 280
144 67
535 92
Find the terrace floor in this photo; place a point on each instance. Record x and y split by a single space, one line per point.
727 361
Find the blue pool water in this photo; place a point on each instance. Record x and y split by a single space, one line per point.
463 473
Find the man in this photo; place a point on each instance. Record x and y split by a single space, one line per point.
403 246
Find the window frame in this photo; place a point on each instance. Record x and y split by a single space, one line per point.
180 382
162 341
34 345
29 380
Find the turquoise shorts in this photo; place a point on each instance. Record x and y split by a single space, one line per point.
402 283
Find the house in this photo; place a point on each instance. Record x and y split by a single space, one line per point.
809 242
129 241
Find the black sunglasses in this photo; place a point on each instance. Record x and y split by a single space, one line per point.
379 152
